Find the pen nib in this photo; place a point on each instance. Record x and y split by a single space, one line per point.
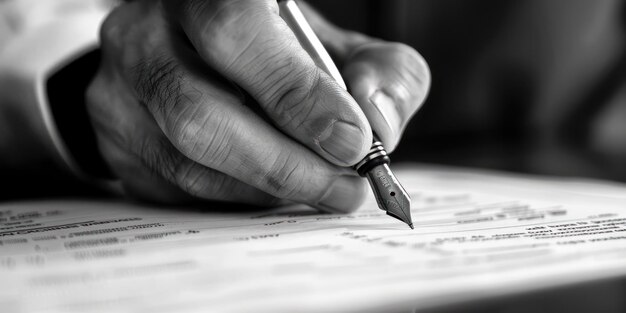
390 195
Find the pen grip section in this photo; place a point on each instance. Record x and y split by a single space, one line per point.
376 156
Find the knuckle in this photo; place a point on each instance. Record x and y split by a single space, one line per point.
290 98
110 29
158 82
100 105
229 31
93 94
115 157
199 181
205 134
286 178
160 158
117 24
183 133
95 103
216 18
189 179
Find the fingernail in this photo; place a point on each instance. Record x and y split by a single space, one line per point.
344 195
388 111
343 141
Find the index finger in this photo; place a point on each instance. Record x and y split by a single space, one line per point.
248 42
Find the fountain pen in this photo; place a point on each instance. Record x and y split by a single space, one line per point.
389 193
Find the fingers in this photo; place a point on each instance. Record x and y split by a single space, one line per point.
149 176
146 162
211 129
390 82
247 42
205 120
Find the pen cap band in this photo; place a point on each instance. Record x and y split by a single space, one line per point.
376 156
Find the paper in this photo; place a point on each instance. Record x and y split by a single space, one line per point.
476 235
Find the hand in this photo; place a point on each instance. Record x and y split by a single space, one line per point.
217 100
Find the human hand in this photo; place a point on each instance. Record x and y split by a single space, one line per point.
217 100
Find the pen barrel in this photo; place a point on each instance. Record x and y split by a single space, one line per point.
295 19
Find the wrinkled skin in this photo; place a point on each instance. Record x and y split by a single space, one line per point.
216 100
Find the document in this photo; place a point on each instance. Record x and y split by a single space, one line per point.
477 235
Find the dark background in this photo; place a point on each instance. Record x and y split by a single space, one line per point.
532 86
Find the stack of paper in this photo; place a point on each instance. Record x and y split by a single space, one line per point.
476 235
